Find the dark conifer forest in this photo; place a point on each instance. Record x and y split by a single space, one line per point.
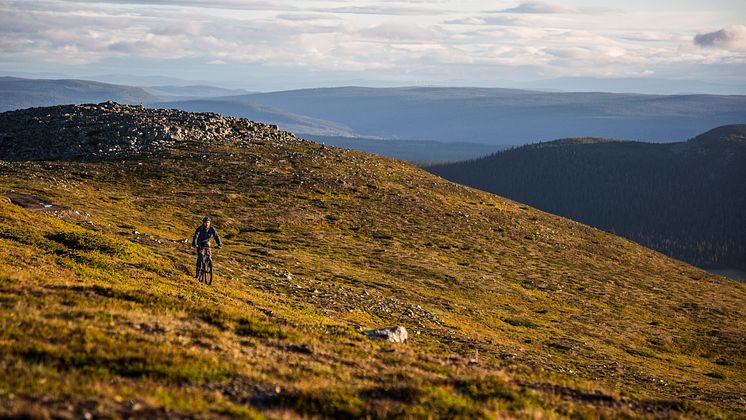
684 199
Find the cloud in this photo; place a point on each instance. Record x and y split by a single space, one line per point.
732 38
469 20
416 8
384 10
401 32
652 36
183 28
306 16
386 38
180 4
540 7
489 20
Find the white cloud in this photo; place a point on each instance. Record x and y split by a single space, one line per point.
499 20
400 32
306 16
541 7
731 38
538 7
386 38
651 36
378 9
191 28
181 4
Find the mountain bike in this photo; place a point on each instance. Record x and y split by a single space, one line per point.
205 270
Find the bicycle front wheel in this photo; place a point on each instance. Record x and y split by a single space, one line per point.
208 271
202 270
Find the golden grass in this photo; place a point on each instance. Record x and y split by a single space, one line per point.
512 312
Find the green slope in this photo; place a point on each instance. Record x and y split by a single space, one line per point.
511 311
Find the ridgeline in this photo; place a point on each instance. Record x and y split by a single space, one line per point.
510 311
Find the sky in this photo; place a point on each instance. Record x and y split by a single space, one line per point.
272 45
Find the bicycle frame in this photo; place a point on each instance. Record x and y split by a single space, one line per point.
205 273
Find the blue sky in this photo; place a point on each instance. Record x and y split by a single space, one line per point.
264 45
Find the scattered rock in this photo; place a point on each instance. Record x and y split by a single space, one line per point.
32 202
396 334
723 362
112 130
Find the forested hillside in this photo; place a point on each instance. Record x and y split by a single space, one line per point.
685 199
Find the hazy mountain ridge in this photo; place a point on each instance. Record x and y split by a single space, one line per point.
174 92
492 116
508 116
647 85
291 122
685 199
16 93
512 311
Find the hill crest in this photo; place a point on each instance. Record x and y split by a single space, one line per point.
725 133
113 130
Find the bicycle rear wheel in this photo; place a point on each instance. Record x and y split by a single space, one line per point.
202 271
208 271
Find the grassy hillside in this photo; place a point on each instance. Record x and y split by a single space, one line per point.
685 199
511 311
418 151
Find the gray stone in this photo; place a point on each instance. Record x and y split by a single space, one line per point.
110 130
396 334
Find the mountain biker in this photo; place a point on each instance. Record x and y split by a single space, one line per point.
201 240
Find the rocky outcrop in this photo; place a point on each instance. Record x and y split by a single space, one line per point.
393 334
111 130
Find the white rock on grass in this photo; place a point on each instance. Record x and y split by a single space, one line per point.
394 334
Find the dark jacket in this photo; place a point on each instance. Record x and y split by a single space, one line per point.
202 236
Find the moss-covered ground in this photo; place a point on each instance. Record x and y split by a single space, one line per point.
512 312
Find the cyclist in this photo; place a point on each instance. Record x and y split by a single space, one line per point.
201 240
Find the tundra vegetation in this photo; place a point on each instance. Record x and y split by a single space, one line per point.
510 311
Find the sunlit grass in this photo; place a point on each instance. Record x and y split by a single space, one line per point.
510 311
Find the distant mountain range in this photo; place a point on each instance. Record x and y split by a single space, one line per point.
191 92
17 93
508 116
236 108
467 117
685 199
649 85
